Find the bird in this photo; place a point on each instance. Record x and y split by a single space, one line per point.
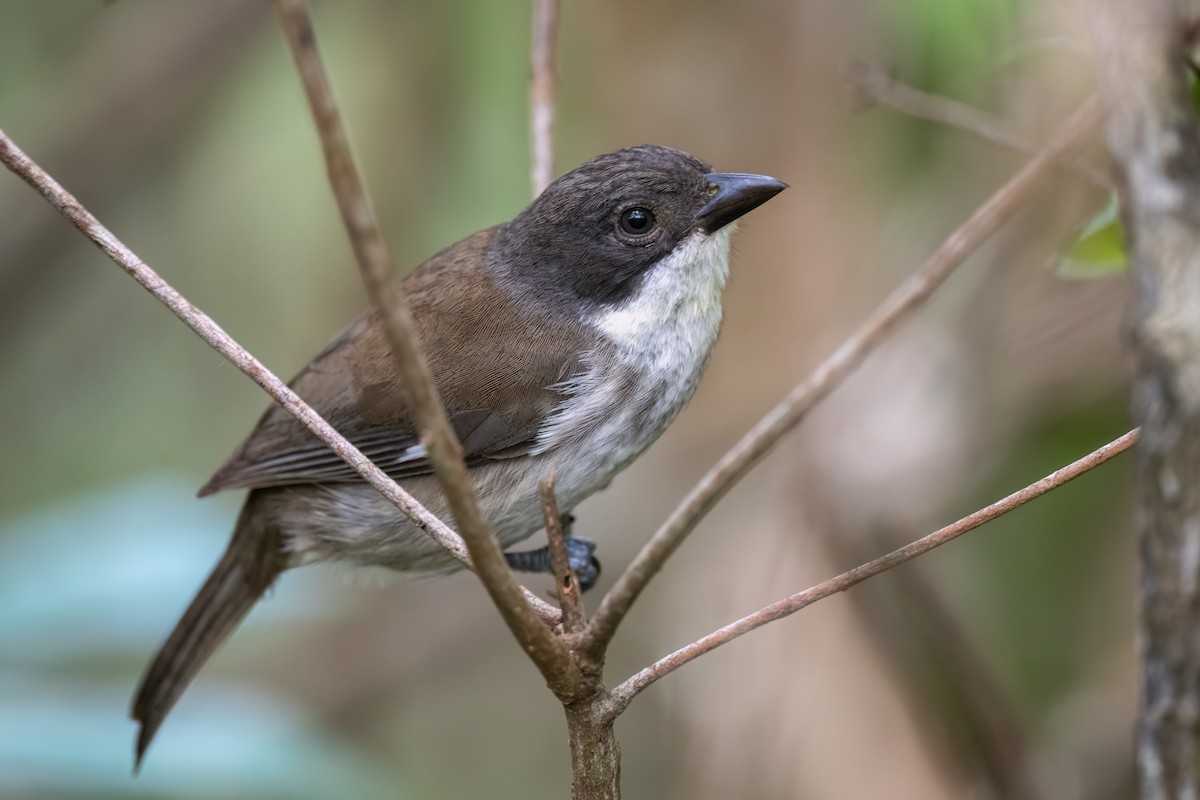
563 341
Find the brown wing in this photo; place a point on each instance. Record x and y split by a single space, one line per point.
497 390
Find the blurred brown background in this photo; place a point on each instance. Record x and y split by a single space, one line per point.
1000 666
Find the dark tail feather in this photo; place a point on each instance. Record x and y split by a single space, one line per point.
250 565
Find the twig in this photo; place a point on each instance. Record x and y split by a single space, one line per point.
875 84
208 330
622 694
566 584
923 644
541 91
763 437
379 275
223 343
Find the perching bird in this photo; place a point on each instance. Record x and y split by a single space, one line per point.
565 340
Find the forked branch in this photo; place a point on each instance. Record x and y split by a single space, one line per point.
208 330
383 286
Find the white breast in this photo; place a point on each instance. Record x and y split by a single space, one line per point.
661 338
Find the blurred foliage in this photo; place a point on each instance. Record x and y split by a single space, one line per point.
64 691
1042 568
1099 249
945 47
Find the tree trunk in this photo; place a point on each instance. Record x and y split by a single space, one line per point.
1152 133
595 755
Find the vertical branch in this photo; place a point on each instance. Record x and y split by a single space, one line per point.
379 275
541 91
1152 133
566 585
595 754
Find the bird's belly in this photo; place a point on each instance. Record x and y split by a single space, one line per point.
353 523
606 431
598 432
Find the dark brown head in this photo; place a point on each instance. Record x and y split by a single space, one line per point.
596 232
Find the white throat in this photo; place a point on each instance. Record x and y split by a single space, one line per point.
658 343
675 314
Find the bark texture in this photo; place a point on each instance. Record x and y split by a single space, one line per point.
595 755
1140 56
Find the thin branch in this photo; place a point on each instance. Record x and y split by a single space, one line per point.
541 93
922 643
785 416
379 275
208 330
223 343
875 84
628 689
566 584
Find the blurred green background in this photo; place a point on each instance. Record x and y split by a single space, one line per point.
1000 666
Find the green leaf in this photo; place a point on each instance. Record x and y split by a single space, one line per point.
1099 249
1194 84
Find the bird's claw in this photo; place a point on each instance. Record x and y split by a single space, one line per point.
580 557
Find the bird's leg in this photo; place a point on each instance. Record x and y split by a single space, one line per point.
579 557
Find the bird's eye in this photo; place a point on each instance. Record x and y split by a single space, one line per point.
637 221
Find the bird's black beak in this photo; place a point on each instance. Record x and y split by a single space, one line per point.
732 194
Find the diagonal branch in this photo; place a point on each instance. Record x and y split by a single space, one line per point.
379 274
541 91
208 330
875 84
625 692
785 416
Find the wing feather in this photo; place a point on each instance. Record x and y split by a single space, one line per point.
497 392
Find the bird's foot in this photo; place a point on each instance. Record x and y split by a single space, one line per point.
579 556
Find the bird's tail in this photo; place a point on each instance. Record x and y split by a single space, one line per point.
253 560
